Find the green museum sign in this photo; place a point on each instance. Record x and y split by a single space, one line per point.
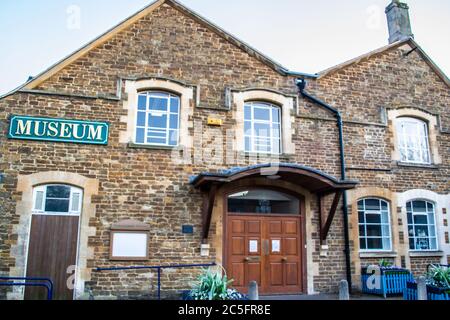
58 130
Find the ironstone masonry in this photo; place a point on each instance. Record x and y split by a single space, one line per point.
167 47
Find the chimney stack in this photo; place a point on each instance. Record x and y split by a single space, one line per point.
398 21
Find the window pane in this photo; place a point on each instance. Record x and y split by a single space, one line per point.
141 119
384 217
386 243
362 244
385 230
419 206
374 231
39 200
140 135
411 244
422 244
361 217
159 104
248 128
247 112
372 204
263 201
433 244
362 231
248 147
361 205
261 114
420 219
75 202
409 215
431 218
142 102
276 115
173 137
421 231
276 146
157 120
373 218
174 104
156 140
374 243
262 129
58 192
173 121
57 205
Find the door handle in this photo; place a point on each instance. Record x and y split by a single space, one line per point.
248 259
284 259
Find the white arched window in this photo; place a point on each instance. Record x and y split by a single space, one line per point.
158 119
374 225
421 225
262 128
413 141
56 199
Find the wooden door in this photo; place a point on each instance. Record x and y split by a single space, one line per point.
52 250
265 249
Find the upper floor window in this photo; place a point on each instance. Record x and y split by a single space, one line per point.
374 224
158 119
413 140
421 225
57 200
262 128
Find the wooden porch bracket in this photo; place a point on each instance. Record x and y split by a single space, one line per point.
325 221
208 203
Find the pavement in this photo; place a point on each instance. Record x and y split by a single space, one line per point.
326 297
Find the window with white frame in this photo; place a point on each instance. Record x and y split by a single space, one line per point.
413 141
158 119
262 127
421 225
374 225
57 200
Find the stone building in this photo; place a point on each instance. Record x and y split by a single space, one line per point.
168 141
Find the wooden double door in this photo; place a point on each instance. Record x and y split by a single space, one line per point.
265 249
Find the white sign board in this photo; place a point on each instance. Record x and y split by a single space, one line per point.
253 248
129 245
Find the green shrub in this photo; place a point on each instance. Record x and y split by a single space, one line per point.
213 285
439 276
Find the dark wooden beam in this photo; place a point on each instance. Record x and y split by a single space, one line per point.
208 203
325 222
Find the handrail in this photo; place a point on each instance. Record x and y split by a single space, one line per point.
45 282
158 268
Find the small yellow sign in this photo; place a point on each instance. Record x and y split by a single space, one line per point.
215 122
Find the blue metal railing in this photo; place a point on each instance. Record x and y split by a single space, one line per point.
159 270
29 282
392 281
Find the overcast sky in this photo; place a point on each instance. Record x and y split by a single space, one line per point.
302 35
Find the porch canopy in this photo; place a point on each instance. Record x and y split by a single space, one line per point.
315 181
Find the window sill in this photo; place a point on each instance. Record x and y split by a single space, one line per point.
417 165
418 254
152 147
378 254
284 156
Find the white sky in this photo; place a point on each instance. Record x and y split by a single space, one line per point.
303 35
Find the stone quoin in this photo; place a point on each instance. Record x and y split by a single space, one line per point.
168 141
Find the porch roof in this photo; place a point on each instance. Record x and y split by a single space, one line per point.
311 179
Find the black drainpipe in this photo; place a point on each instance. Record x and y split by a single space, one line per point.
301 84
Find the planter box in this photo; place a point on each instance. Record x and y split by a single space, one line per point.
392 281
433 293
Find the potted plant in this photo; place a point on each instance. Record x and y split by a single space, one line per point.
438 282
213 284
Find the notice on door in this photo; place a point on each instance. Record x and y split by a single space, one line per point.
276 246
253 247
